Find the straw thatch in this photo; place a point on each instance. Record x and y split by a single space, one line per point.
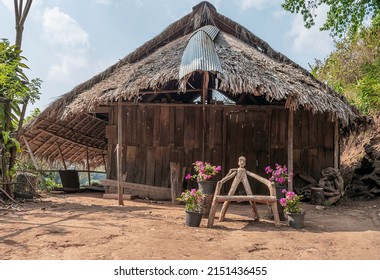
249 66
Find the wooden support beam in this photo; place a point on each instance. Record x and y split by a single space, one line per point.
153 192
88 168
116 196
336 144
60 153
35 163
175 181
105 163
290 148
119 152
204 97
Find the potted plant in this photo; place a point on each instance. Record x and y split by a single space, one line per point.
203 173
280 177
293 209
194 200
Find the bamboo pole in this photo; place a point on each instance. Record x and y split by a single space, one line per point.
290 148
60 153
35 163
336 144
88 168
204 96
119 154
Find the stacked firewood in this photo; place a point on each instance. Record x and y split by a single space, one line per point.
365 183
329 189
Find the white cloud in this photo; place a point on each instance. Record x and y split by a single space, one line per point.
71 44
61 29
256 4
311 40
103 2
68 64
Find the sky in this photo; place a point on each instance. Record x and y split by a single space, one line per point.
67 42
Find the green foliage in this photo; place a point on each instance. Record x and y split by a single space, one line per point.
15 91
344 17
353 68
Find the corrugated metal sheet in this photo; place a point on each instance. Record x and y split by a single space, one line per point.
211 31
200 53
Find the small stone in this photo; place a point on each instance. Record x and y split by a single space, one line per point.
319 207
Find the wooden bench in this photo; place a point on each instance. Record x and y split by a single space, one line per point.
240 175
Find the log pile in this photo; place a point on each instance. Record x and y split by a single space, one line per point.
332 184
365 183
329 189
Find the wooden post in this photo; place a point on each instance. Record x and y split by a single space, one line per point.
35 163
204 97
175 181
60 153
88 167
290 148
119 153
105 163
336 144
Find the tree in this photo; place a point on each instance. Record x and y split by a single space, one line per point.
353 68
15 88
345 17
21 12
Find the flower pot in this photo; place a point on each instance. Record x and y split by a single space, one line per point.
295 220
193 219
279 195
208 188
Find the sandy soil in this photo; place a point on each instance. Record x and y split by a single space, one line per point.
86 227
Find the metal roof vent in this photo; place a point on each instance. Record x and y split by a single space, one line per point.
200 53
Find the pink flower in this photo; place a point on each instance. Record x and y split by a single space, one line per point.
283 191
188 176
193 191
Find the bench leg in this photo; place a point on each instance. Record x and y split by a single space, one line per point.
255 212
276 217
211 215
226 204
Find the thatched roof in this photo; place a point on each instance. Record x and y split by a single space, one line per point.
249 66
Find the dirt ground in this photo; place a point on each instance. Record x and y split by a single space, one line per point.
85 226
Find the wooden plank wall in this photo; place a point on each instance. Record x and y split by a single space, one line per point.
313 144
155 135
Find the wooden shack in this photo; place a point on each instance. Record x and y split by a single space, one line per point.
206 88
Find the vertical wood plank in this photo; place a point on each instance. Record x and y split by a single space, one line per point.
175 175
119 153
336 144
156 126
164 126
179 127
290 147
150 165
131 163
140 165
172 130
158 166
165 181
